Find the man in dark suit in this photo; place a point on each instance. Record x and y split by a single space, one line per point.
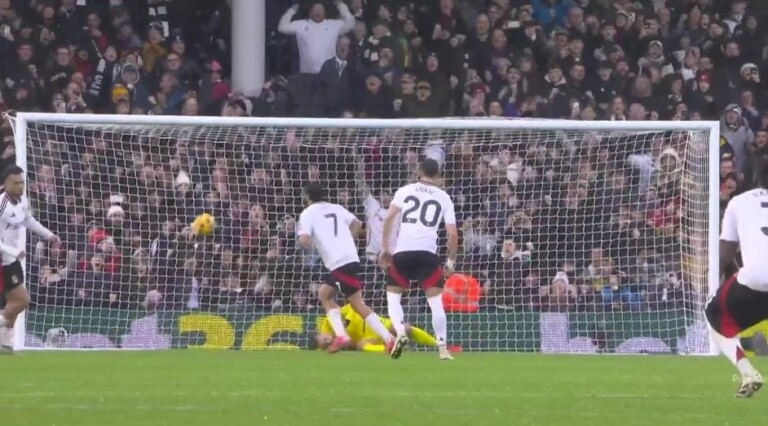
334 79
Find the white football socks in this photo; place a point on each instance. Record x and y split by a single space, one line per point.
3 321
731 348
375 323
395 312
6 336
439 320
334 317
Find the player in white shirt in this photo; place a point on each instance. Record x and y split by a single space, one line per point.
375 212
421 207
15 218
742 301
332 229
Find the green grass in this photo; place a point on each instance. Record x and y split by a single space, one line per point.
313 389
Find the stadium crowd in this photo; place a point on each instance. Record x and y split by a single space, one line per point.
549 222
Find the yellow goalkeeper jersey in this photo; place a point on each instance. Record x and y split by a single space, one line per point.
356 327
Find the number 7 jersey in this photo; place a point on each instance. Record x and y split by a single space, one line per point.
328 225
423 206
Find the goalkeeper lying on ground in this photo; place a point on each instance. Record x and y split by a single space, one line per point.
363 338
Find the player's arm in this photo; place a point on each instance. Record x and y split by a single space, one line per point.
348 218
729 238
36 227
305 231
305 241
453 234
356 227
389 221
371 204
389 225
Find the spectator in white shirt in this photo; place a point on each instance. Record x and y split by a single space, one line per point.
317 35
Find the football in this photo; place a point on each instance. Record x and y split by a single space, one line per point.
204 224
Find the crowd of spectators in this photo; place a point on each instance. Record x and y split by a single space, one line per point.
549 221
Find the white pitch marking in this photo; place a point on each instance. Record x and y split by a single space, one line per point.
437 394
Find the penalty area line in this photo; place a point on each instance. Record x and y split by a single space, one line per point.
202 408
438 394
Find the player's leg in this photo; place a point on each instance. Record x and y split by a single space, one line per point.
724 329
398 279
757 344
420 336
395 309
371 345
751 380
16 301
326 295
351 286
3 291
439 320
371 318
432 284
416 334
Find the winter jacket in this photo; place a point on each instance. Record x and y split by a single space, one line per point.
740 137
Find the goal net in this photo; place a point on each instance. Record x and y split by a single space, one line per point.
583 237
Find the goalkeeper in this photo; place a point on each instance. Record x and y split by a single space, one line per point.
363 338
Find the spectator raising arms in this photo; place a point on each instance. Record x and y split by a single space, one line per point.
317 35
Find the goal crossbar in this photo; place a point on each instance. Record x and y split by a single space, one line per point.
424 123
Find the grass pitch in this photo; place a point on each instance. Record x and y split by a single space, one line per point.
314 389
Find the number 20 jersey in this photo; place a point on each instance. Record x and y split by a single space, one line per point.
422 207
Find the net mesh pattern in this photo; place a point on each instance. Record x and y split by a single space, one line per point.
571 241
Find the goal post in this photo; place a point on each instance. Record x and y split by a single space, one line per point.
576 236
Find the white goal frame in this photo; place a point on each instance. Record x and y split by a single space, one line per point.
713 127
